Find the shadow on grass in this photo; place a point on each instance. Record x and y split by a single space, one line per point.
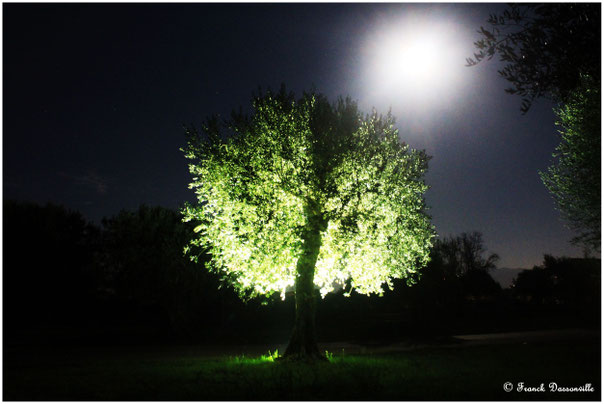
461 373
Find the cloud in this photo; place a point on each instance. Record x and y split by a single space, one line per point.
91 180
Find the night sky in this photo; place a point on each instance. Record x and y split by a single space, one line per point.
96 96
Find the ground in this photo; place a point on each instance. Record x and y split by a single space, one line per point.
474 368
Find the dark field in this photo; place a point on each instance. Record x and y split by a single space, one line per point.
129 318
186 373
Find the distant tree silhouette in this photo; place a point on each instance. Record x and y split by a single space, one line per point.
533 285
305 194
145 265
574 282
574 179
463 257
48 277
547 48
464 253
480 284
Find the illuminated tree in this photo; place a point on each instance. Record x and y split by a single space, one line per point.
307 195
574 180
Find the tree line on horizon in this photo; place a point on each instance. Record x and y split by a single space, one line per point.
128 280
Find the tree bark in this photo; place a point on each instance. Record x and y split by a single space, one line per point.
303 342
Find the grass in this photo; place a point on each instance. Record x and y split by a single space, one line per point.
461 373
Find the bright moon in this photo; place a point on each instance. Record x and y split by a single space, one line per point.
414 59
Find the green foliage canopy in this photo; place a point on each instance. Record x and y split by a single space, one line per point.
260 179
574 180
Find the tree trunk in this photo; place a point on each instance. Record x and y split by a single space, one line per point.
303 342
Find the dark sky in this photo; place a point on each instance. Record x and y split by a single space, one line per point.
96 95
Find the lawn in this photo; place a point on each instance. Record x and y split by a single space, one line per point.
432 373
